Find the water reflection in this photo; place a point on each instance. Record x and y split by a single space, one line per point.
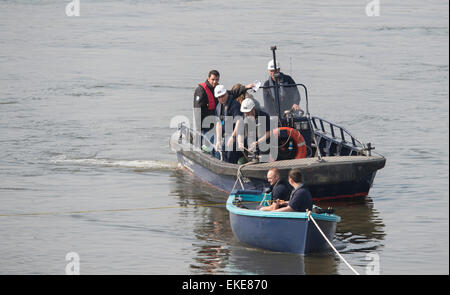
246 260
217 250
211 225
361 228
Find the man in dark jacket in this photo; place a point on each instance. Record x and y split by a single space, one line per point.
228 108
278 187
257 117
289 95
204 97
300 200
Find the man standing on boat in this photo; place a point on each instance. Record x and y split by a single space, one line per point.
300 198
289 95
204 98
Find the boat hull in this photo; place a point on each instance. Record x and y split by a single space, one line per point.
348 177
220 181
281 232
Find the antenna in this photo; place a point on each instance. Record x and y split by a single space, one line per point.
277 80
290 65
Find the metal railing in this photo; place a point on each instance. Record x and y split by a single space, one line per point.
336 132
338 137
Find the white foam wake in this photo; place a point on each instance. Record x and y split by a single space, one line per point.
137 164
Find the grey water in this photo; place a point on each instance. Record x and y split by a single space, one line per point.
86 104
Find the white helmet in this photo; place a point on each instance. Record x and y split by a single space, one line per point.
247 105
219 90
270 66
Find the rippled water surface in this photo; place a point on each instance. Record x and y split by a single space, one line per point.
85 110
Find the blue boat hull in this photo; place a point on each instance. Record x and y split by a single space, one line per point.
281 234
279 231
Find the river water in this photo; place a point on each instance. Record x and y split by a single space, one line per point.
85 109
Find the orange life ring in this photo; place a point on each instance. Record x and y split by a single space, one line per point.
298 139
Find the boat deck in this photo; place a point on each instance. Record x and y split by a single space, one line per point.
298 163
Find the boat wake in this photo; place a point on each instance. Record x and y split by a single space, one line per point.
134 164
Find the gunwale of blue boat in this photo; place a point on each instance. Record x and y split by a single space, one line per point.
270 214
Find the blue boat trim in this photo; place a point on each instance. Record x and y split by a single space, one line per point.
270 214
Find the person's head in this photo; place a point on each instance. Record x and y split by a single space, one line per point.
241 97
248 107
273 175
213 78
221 93
271 68
295 177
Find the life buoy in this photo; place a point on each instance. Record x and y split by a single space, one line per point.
297 138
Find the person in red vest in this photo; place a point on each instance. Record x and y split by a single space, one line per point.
205 99
204 96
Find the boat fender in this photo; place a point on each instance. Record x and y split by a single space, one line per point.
298 139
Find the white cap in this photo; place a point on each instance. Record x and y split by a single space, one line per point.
270 66
219 90
247 105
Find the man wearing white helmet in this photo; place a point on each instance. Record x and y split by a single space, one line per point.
289 95
228 108
248 108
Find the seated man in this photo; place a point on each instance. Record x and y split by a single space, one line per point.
228 109
259 135
278 187
300 199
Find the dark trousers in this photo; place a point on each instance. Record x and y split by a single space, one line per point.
231 156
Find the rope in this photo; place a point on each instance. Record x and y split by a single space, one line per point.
113 210
331 245
238 178
239 175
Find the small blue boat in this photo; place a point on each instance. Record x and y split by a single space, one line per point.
289 232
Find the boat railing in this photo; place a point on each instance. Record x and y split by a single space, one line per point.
332 139
340 136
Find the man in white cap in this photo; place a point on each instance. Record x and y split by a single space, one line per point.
228 108
289 95
258 116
